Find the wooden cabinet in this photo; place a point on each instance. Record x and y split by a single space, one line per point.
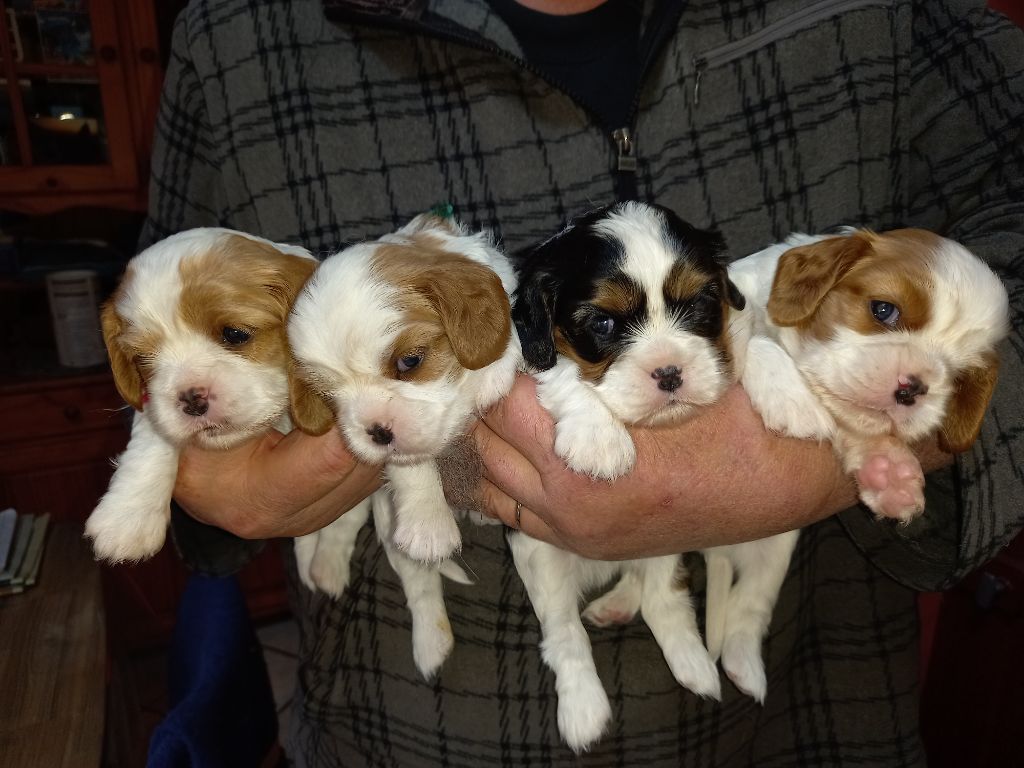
79 90
59 435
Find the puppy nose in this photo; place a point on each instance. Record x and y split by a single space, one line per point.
380 434
909 389
669 378
194 400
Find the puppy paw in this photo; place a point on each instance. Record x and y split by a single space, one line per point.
891 483
741 659
602 449
583 712
432 641
305 550
119 534
693 668
329 574
429 539
617 606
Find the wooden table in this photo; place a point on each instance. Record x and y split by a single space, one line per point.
53 660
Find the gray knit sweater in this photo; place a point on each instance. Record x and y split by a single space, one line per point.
326 124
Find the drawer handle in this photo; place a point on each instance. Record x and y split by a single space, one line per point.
72 413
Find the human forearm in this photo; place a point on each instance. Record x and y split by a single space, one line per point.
718 478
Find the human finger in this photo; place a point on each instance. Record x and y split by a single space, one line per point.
523 423
516 515
506 468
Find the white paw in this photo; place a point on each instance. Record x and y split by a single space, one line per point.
305 549
602 449
891 483
693 668
432 641
122 534
741 659
329 573
583 712
617 606
429 539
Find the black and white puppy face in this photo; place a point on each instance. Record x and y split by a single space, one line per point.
636 299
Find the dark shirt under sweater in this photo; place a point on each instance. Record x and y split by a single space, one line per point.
593 56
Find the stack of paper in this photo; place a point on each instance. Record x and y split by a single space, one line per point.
21 550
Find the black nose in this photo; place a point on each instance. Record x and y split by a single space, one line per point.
906 393
669 378
195 401
381 435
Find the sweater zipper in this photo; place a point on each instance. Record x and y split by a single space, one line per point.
622 138
806 17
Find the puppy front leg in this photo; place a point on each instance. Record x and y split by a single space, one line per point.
328 564
668 610
779 393
130 522
432 637
761 567
888 474
583 707
425 527
587 435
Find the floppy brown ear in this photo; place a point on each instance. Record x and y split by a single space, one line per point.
309 410
280 274
127 378
971 396
474 310
807 272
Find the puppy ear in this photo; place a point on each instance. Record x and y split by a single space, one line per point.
733 297
807 272
474 310
533 312
280 274
127 378
309 410
971 396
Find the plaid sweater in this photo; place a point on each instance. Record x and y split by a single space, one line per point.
324 124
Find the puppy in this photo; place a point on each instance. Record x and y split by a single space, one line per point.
622 318
400 343
196 337
873 342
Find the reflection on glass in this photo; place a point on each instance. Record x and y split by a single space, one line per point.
8 139
50 31
65 117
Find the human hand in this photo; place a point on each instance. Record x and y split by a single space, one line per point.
717 478
274 485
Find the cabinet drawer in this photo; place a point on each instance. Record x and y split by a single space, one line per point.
52 411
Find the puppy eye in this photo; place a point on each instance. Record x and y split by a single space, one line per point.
234 336
601 326
885 312
407 362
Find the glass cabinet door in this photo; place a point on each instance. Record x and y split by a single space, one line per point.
64 120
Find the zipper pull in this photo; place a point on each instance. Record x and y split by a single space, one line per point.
623 139
699 65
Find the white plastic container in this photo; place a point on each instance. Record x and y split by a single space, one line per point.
74 306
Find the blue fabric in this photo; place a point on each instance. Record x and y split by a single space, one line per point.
222 711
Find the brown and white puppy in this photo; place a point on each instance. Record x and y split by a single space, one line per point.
197 343
622 318
400 343
873 341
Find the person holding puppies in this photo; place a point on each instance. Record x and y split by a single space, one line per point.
326 122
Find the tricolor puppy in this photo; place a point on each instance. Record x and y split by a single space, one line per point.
873 341
622 318
196 337
400 343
